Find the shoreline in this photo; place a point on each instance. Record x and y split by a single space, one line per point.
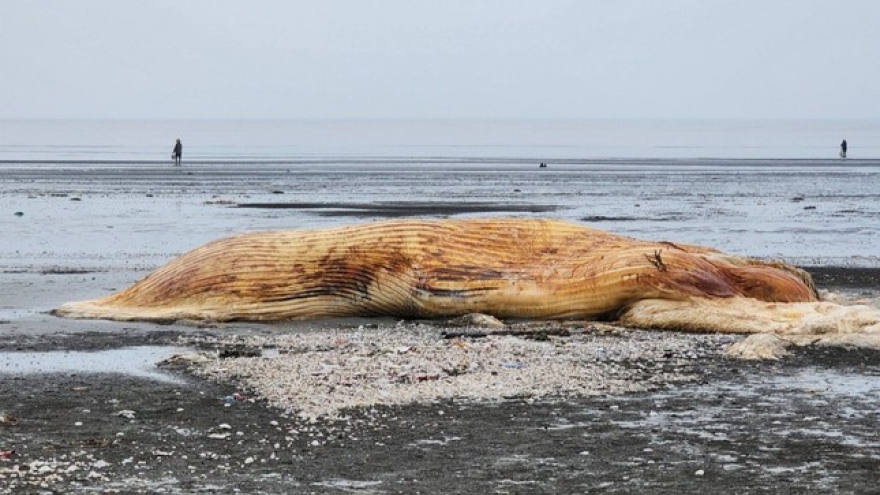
666 405
452 163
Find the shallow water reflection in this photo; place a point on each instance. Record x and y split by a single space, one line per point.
132 361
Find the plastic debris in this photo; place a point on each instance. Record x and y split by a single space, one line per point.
8 419
236 397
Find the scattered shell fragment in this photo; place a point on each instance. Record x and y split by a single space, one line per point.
314 375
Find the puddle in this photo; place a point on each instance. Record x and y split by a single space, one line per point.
835 409
429 442
132 361
831 385
347 485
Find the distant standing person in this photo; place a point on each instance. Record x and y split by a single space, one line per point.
177 154
843 149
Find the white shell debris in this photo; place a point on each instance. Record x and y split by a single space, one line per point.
320 373
126 413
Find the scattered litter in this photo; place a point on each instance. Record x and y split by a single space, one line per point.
8 419
232 399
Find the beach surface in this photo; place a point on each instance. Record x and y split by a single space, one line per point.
531 407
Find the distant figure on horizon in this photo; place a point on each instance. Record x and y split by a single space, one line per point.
177 154
843 149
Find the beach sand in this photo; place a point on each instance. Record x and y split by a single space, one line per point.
448 407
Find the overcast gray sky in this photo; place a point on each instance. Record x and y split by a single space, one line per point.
590 59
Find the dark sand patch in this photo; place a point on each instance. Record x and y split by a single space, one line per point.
846 278
403 209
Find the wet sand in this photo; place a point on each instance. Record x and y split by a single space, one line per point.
806 424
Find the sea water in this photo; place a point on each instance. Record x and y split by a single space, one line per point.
458 140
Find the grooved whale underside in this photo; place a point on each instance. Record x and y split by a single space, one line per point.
509 268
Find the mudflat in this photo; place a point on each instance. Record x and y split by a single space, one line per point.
85 408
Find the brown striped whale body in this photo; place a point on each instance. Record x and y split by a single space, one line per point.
509 268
